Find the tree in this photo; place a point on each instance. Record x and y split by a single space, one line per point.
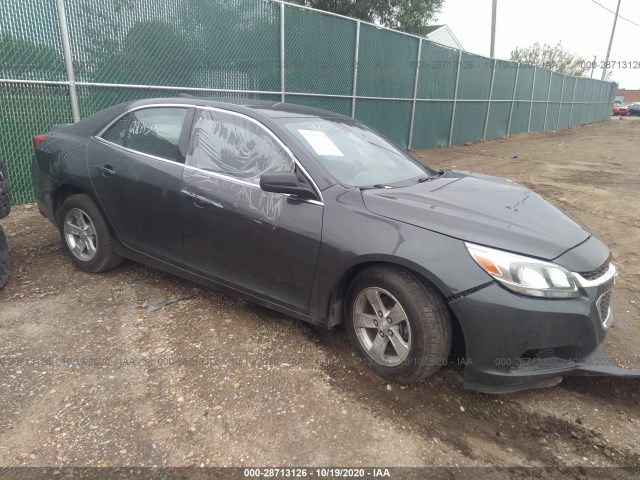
551 57
20 58
411 16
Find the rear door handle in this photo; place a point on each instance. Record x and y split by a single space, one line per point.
107 170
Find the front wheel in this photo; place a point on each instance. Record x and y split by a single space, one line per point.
398 324
85 235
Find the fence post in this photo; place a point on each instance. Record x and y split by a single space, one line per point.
580 110
533 89
415 94
513 98
355 71
584 97
582 105
68 60
486 118
593 91
590 101
560 105
573 98
282 84
455 98
546 109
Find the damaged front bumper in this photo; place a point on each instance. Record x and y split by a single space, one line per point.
516 343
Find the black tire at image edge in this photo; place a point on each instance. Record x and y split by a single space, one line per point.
4 259
5 196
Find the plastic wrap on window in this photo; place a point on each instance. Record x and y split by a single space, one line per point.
233 145
246 200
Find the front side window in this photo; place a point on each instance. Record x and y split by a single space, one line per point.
156 131
235 146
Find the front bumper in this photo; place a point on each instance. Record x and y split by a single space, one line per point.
515 342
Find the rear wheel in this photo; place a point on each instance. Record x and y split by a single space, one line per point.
85 235
4 259
398 324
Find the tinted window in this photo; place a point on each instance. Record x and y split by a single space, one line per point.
117 131
236 146
156 131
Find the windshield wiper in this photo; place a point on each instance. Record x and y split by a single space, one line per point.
377 185
383 148
427 178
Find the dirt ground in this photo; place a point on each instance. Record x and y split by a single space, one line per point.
89 376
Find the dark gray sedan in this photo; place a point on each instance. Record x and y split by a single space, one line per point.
314 215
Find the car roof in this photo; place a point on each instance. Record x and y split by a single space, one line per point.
268 108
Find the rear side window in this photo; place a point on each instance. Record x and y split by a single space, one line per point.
117 131
235 146
156 131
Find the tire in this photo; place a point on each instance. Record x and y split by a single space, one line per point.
5 196
420 339
4 259
85 235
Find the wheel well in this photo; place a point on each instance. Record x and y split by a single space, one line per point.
61 194
340 290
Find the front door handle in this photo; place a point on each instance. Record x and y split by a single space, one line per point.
199 201
106 170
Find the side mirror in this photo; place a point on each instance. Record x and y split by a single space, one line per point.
286 182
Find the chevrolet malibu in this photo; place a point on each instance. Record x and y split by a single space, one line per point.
314 215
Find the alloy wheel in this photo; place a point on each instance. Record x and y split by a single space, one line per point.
382 326
80 234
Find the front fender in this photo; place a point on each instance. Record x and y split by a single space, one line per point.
353 237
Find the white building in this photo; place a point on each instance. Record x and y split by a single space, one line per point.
443 35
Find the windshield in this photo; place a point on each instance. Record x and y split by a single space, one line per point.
355 155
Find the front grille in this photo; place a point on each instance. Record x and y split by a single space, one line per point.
595 274
604 308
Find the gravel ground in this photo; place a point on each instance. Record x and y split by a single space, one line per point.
90 376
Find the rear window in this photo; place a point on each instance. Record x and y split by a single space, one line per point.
117 131
156 131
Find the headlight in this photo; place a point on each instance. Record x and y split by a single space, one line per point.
527 276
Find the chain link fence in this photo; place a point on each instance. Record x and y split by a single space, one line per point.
417 93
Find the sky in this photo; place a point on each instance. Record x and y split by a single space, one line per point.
583 27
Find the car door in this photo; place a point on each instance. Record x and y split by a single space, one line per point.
259 242
136 170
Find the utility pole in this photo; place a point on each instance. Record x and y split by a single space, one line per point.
493 28
593 65
613 30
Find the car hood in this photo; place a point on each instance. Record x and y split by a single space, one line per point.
481 209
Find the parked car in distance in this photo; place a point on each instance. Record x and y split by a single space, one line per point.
5 208
620 110
634 109
314 215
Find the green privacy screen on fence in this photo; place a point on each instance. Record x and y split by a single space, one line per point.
417 93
